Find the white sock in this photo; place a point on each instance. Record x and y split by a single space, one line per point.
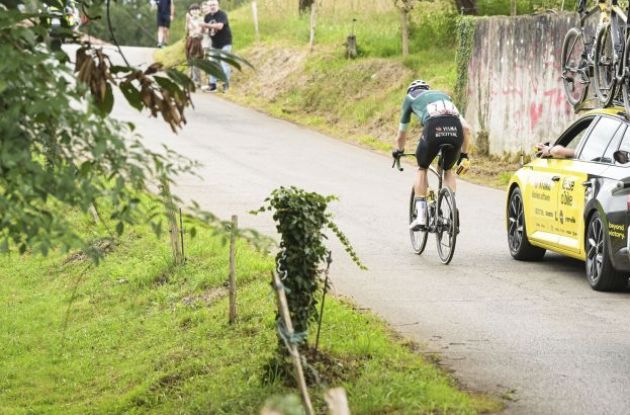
421 209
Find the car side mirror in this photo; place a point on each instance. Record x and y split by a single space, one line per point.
621 157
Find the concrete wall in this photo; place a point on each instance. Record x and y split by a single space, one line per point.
514 87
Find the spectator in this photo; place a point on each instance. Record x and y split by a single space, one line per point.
218 26
206 43
194 35
165 14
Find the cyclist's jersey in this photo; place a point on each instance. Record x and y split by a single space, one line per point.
426 104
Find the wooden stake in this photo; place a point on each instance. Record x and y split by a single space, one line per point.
233 269
404 29
313 24
181 234
283 307
171 215
255 13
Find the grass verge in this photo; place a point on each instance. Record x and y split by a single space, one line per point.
137 335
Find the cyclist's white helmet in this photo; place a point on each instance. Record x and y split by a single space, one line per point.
418 84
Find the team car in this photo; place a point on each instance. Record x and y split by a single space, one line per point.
580 206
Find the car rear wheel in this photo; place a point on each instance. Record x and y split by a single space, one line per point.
599 269
519 245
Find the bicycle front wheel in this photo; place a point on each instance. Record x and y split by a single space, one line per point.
604 71
447 225
418 238
573 74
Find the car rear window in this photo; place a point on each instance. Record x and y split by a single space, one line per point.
599 138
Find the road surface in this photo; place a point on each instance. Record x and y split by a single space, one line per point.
533 331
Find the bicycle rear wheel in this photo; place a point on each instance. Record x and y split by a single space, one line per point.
447 225
604 70
573 75
418 238
625 83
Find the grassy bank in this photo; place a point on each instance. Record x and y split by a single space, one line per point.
356 100
137 335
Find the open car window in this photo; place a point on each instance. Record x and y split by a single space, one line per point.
598 139
574 135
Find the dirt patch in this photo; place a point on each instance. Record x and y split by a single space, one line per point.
98 248
320 368
274 67
206 298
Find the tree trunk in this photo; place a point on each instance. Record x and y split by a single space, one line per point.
305 6
466 6
404 29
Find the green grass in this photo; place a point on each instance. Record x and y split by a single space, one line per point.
138 335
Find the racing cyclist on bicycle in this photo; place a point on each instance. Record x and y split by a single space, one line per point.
442 124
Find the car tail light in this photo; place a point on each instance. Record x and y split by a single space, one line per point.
628 203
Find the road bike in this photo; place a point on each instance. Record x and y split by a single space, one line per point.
578 54
442 214
612 57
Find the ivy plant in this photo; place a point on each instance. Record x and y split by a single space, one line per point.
301 219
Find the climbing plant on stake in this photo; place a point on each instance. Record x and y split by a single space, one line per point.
301 219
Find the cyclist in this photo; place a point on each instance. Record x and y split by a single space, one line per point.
442 124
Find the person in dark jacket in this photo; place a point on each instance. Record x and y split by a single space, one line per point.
165 15
218 27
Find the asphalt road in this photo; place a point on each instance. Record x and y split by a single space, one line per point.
533 331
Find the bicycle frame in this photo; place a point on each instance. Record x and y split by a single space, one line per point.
439 172
616 14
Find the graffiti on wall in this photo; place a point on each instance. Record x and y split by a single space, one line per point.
514 85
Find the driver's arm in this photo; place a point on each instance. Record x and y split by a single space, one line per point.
557 152
561 152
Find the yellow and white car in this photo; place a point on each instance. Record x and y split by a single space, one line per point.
578 206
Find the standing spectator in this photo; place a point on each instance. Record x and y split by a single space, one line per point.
216 22
194 35
165 14
206 42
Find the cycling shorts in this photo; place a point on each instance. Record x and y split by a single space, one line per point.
437 131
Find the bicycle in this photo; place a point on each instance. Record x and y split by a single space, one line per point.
577 59
442 215
612 57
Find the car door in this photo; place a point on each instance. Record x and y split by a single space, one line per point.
615 201
542 188
576 179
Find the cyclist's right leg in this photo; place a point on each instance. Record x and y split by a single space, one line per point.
425 153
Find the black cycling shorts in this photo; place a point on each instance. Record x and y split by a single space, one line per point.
437 131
